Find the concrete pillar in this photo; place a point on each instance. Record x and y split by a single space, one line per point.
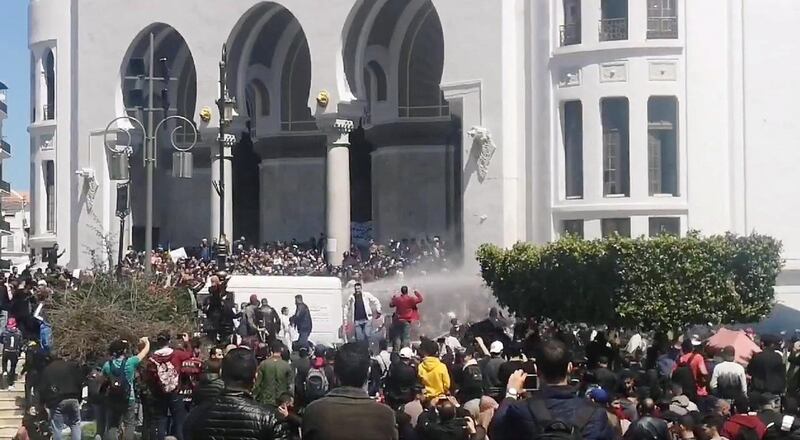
338 190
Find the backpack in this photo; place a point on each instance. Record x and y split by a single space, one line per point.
550 428
46 337
166 376
684 376
11 342
119 388
316 384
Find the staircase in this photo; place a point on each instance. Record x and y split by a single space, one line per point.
11 411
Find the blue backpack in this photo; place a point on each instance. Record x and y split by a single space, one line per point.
46 337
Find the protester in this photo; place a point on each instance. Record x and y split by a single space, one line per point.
210 385
557 401
767 368
120 405
301 321
164 402
402 380
286 329
274 376
728 380
433 373
690 371
234 414
362 308
59 388
406 314
347 412
12 342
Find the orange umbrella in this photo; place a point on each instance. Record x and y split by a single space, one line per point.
744 346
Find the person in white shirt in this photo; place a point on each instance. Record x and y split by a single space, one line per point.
362 308
286 335
728 381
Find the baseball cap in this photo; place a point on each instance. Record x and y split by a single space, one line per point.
496 347
599 395
406 353
696 340
42 283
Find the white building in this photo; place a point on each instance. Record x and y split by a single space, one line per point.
16 212
636 116
5 153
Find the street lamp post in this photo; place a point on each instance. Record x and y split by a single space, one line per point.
226 106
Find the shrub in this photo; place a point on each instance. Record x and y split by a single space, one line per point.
665 282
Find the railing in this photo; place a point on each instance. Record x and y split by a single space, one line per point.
3 107
5 187
299 125
48 112
613 29
5 226
570 34
423 111
662 28
5 146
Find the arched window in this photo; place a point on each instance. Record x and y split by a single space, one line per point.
49 110
420 67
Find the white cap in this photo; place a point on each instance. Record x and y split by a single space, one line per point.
696 340
406 353
42 283
496 347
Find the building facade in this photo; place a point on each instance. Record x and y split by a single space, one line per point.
16 212
477 121
5 187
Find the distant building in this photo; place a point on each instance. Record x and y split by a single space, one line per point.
16 212
5 188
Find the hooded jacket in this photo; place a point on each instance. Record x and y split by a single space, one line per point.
434 377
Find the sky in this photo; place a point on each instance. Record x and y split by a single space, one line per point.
14 73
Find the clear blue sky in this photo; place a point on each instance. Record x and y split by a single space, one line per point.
14 72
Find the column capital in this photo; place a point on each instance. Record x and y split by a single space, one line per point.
343 126
338 130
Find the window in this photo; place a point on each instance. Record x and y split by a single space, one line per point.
573 148
616 161
571 29
619 226
614 20
662 19
49 109
10 245
662 145
665 226
572 227
50 194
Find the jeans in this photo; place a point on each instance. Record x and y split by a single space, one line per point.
302 339
160 409
100 418
403 335
122 418
66 414
363 330
10 366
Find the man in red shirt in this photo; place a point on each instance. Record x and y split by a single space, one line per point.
405 313
692 358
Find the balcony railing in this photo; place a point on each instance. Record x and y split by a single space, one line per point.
570 34
5 187
48 112
3 107
299 126
613 29
424 111
662 28
5 226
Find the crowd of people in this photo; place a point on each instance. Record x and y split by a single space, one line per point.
293 258
496 379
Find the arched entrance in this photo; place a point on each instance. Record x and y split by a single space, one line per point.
393 61
180 207
278 166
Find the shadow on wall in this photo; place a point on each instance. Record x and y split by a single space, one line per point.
461 293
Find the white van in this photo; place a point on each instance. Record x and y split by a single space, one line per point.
323 295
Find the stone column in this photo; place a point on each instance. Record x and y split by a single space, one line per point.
338 190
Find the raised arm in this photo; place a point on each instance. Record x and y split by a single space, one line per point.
145 350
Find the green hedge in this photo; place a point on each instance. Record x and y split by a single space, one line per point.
665 282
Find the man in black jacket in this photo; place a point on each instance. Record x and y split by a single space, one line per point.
402 381
60 389
767 369
210 385
302 321
234 414
556 401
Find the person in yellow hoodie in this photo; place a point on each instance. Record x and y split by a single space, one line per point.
432 372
